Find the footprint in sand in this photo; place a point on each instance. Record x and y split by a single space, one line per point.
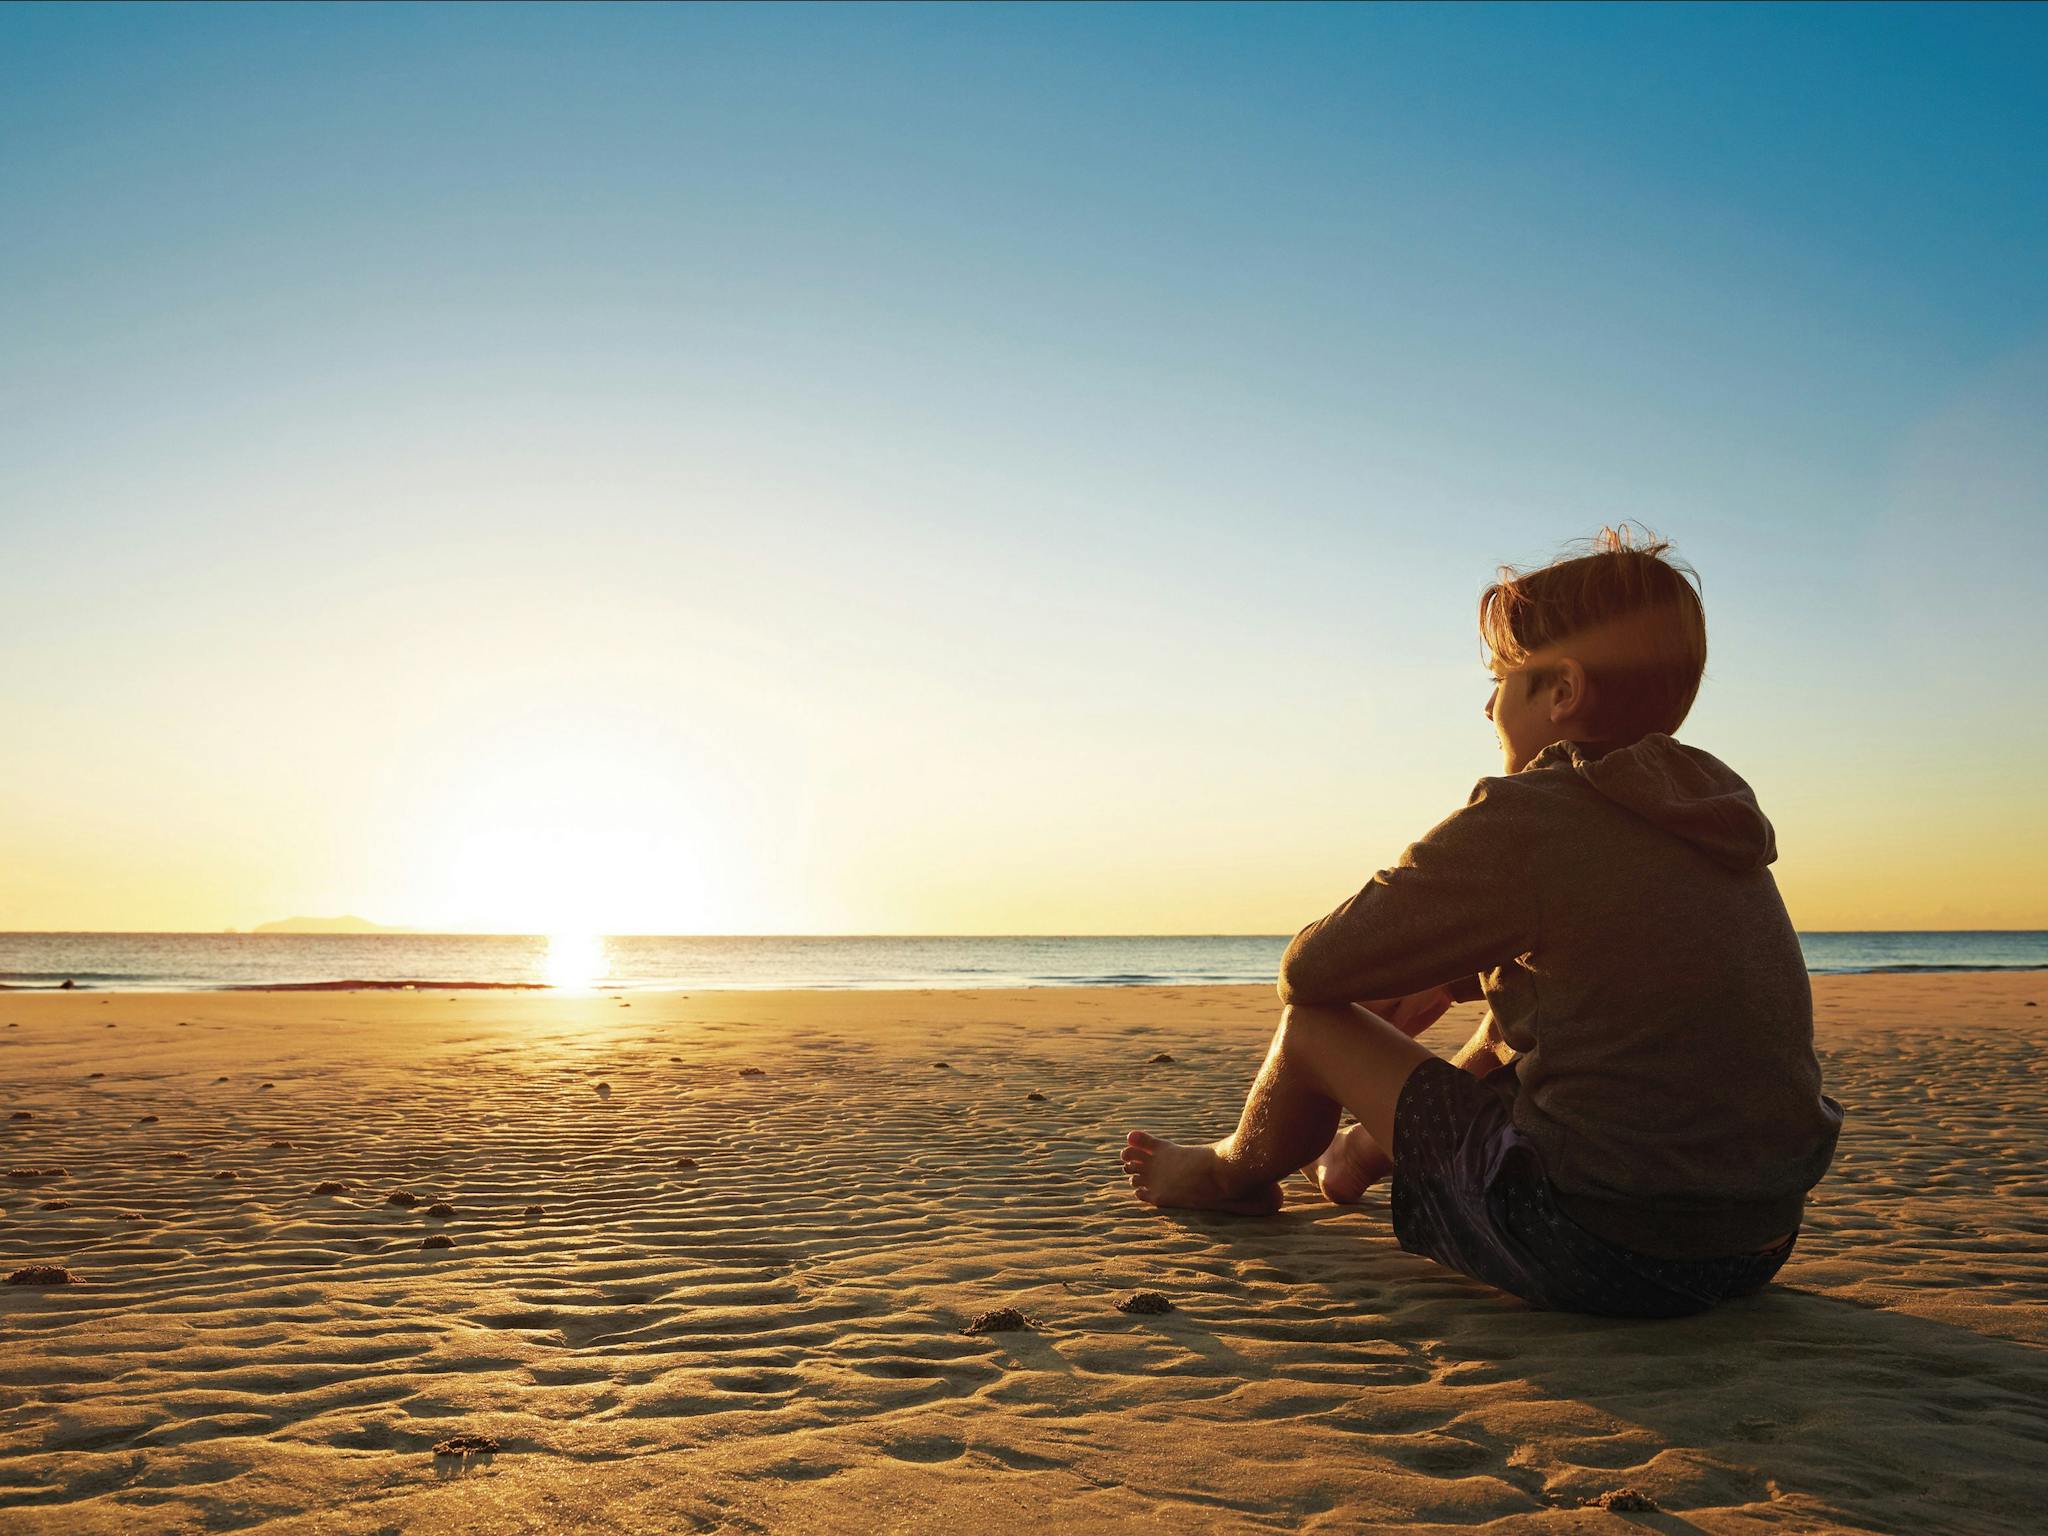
403 1197
437 1240
330 1187
441 1208
43 1274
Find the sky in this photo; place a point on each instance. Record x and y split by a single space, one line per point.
989 469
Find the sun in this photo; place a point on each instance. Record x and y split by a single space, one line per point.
574 825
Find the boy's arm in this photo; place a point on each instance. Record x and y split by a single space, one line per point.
1483 1053
1461 899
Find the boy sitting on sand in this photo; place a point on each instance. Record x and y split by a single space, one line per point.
1634 1126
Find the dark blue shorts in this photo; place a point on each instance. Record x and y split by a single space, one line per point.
1471 1193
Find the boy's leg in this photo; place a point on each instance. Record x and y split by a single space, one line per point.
1323 1060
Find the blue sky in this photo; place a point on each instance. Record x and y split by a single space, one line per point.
1019 468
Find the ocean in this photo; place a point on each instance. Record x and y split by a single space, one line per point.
205 961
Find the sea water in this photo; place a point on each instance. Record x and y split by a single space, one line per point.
190 961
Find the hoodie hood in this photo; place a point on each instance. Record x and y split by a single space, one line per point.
1691 794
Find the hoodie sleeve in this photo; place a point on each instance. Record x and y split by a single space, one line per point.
1458 901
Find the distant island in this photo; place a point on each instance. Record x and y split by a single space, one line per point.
327 925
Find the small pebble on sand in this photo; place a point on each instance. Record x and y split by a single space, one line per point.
42 1274
437 1240
1144 1301
279 1144
753 1072
56 1205
146 1120
1001 1320
535 1210
330 1187
401 1197
466 1445
36 1171
1632 1500
1035 1097
95 1074
441 1208
227 1173
22 1114
943 1066
1162 1059
261 1086
603 1090
177 1157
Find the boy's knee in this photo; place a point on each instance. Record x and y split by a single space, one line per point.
1317 1016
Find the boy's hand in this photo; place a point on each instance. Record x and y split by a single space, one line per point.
1417 1011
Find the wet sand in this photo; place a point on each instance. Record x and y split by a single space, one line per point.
712 1262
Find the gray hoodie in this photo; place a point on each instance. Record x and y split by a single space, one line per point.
1612 905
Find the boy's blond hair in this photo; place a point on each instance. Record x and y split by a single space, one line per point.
1640 614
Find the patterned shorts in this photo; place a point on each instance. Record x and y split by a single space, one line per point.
1470 1192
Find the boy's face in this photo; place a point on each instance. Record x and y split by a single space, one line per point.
1527 724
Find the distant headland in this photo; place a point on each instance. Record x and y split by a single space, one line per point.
328 925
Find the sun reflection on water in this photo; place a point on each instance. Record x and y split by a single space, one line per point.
575 961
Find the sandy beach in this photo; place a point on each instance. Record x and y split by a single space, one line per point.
682 1295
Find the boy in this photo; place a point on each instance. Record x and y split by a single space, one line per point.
1635 1125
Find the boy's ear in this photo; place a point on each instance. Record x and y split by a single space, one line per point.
1568 690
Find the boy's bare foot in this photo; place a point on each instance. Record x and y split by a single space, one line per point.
1351 1164
1167 1174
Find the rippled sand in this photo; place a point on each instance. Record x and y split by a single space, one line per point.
773 1339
